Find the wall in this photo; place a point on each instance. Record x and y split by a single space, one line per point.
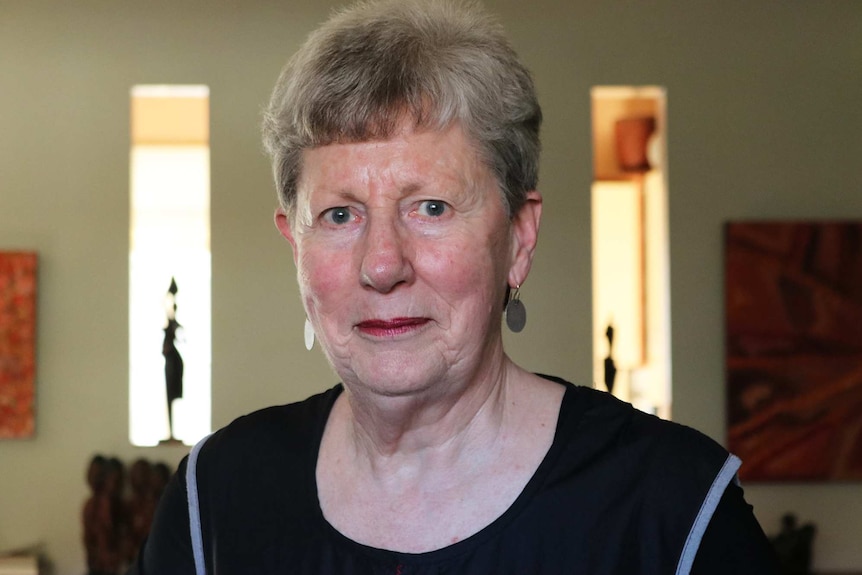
764 122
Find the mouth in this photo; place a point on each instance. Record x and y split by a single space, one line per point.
391 327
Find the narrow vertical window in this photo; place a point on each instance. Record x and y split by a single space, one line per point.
169 265
631 264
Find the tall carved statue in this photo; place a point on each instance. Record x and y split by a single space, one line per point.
173 359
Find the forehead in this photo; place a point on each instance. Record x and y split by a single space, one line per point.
410 158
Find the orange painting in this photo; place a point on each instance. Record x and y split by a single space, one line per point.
793 309
17 343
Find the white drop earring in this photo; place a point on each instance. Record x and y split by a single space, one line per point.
309 335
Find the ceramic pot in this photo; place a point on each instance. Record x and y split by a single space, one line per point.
632 136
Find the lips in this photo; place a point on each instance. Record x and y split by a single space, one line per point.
391 327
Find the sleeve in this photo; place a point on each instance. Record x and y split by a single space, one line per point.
168 548
734 542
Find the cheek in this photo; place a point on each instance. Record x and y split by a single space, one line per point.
469 271
323 280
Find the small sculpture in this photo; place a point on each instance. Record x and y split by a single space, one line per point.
173 359
610 366
102 515
115 528
159 478
793 546
140 508
92 526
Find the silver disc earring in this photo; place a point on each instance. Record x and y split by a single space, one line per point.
309 335
516 313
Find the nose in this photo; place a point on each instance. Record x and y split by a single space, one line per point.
385 255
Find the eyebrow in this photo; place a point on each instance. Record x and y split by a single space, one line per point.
350 195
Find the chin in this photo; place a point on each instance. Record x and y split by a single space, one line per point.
392 374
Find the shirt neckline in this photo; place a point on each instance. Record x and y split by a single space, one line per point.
566 418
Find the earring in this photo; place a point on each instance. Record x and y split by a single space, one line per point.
309 335
516 313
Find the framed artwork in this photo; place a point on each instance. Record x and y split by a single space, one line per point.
793 313
17 343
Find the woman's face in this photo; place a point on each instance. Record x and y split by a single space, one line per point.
404 250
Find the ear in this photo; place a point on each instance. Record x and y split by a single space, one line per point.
525 235
285 228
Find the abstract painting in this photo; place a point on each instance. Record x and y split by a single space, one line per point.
17 343
793 311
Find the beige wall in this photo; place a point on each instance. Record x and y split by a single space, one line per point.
764 122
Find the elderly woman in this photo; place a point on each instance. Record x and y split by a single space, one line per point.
404 139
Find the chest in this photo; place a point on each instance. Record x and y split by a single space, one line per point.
418 516
598 515
549 533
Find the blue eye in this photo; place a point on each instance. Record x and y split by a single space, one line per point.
340 215
433 208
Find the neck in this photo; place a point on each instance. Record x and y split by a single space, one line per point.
444 421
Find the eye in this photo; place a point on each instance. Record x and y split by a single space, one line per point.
432 208
337 216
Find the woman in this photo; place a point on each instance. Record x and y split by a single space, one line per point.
404 139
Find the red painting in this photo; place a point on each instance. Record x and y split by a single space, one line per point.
793 308
17 343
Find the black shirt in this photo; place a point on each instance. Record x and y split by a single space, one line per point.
619 491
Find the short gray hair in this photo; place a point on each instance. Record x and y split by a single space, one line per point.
435 62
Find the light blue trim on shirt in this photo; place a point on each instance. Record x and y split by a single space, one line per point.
194 508
707 508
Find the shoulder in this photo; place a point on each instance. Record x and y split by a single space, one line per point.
663 479
613 425
670 463
272 433
259 469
